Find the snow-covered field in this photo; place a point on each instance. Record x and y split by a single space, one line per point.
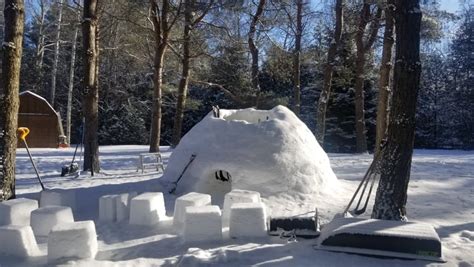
441 193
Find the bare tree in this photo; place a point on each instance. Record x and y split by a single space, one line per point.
40 46
297 58
163 22
363 46
189 24
390 202
56 52
328 72
14 13
254 68
71 85
90 105
384 81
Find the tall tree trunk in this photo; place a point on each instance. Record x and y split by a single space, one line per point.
71 85
361 139
183 83
161 33
90 105
254 69
297 58
56 53
390 202
14 12
41 39
328 72
363 47
384 81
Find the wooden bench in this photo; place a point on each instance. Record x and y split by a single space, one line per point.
157 157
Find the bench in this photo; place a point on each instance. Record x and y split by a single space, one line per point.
142 165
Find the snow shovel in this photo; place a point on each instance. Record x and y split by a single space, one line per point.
296 226
193 156
23 132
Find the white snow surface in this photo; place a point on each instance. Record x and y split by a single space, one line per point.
247 220
269 151
202 223
440 193
192 199
17 241
17 211
45 218
76 240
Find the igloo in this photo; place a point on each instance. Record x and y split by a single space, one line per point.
269 151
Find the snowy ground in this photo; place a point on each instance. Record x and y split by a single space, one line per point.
441 193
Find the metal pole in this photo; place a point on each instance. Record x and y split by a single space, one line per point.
33 163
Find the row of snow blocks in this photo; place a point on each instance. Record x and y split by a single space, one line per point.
17 211
45 218
115 208
147 208
237 196
202 223
58 198
76 240
18 241
247 220
189 200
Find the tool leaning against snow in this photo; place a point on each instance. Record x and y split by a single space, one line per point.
193 156
23 132
380 238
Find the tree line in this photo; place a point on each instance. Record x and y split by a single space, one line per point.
146 71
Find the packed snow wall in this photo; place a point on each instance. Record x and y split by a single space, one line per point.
269 151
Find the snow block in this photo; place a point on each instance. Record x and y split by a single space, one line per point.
17 211
123 205
247 220
237 196
45 218
189 200
202 224
58 198
77 240
18 241
147 208
107 208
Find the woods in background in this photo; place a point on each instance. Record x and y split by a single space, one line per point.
161 65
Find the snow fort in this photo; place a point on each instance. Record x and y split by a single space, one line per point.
269 151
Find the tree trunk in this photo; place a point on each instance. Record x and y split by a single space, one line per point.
254 53
183 83
383 106
297 58
155 132
162 28
11 63
56 53
71 86
361 139
91 90
390 202
41 39
328 72
363 46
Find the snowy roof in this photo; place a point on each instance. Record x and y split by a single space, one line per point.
39 97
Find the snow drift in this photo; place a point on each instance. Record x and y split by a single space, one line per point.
269 151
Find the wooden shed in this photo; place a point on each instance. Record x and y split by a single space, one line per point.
43 121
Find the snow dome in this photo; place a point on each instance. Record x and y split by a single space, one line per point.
269 151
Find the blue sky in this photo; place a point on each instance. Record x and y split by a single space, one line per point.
450 5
